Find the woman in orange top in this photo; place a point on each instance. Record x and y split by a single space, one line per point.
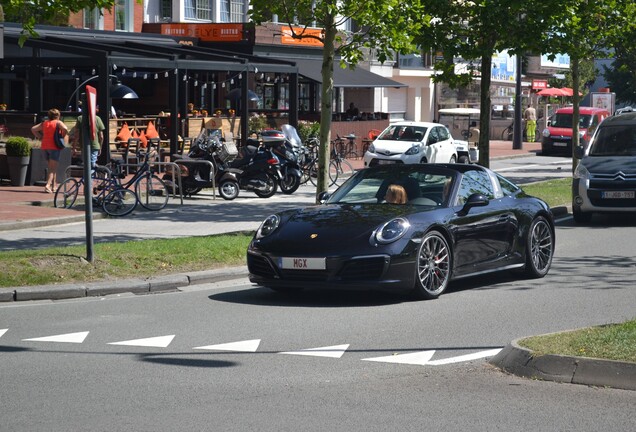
45 131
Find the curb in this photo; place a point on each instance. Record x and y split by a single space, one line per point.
520 361
135 286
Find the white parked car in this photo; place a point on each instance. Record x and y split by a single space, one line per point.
417 142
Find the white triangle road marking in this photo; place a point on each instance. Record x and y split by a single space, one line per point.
3 331
242 346
156 342
416 358
68 338
467 357
335 351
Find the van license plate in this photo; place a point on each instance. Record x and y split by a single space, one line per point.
303 263
618 194
560 144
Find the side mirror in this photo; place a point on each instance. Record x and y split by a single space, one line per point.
579 152
475 200
323 197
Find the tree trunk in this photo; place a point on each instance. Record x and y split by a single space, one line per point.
326 105
484 112
575 108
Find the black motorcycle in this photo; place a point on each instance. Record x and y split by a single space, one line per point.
256 170
282 146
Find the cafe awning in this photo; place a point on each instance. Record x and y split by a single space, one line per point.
352 78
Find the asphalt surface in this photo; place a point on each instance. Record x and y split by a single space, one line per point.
29 208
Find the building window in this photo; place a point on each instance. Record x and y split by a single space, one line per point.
198 9
166 10
233 11
122 15
91 19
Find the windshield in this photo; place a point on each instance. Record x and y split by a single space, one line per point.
419 185
565 121
403 133
615 141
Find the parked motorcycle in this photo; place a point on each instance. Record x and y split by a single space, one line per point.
283 145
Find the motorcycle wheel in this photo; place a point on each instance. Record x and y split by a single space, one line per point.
289 184
228 189
271 190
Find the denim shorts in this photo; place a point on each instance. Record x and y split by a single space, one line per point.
52 155
94 154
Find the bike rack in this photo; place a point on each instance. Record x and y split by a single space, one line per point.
186 161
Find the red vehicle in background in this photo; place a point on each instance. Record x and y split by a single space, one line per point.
557 137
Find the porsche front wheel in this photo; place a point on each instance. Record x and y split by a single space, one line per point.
539 248
433 266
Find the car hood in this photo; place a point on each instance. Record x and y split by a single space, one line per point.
610 164
331 228
388 146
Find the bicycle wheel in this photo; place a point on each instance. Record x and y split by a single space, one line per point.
151 191
120 202
313 174
66 193
506 134
344 170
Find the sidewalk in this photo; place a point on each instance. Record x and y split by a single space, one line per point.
30 206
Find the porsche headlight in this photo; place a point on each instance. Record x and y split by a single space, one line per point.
268 226
413 150
392 230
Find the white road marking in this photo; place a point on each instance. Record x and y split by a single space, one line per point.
243 346
335 351
157 342
465 358
68 338
515 168
3 331
418 358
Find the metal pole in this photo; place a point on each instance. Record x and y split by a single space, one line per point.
88 182
517 142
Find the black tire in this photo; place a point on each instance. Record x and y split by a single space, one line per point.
191 190
229 189
539 248
272 187
453 159
289 184
433 266
581 217
120 202
152 192
463 160
66 193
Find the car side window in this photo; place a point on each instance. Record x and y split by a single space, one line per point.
443 133
433 136
474 181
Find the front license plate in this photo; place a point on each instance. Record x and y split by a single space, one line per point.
384 162
618 194
303 263
560 144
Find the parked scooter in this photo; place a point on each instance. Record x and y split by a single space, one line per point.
283 146
256 170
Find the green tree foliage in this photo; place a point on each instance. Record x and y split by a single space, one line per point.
32 12
381 27
471 32
587 75
621 77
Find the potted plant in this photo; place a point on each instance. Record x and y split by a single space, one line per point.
18 155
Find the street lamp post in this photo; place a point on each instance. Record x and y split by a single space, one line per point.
517 141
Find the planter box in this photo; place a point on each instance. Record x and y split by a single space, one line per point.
18 167
4 168
38 169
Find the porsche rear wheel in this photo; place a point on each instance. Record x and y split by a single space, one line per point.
433 266
539 248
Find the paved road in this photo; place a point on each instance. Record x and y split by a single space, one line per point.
236 357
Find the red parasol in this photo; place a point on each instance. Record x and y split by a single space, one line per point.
553 91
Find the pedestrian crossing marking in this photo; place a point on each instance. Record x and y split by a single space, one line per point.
155 342
242 346
335 351
66 338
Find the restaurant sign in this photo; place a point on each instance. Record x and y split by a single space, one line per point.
539 84
288 39
205 32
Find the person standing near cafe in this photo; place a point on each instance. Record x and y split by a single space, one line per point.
96 142
45 131
530 116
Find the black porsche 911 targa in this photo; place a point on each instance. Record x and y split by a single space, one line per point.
457 221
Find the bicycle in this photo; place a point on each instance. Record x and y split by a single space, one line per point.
508 133
347 149
115 197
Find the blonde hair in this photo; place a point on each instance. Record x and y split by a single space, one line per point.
395 194
54 114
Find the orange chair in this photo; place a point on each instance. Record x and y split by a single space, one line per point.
373 134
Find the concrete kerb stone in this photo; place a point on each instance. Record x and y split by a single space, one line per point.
521 361
135 286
